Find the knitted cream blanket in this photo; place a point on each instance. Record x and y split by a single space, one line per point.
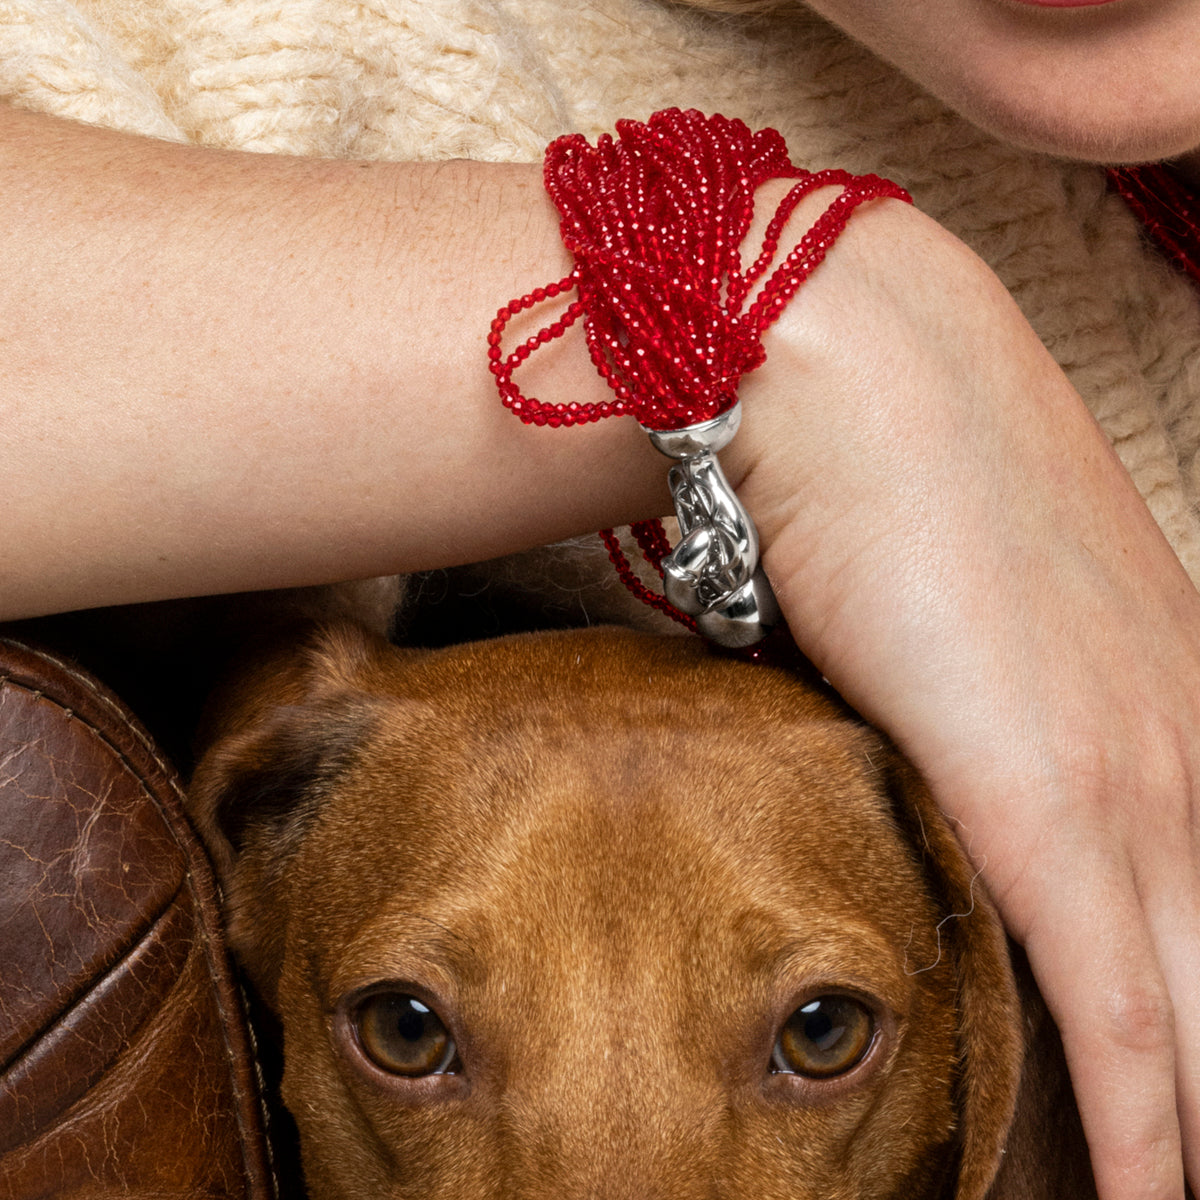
497 79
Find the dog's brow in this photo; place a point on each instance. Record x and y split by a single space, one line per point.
393 945
850 955
457 937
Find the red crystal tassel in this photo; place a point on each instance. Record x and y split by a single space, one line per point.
655 219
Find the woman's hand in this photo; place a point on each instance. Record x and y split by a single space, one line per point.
958 549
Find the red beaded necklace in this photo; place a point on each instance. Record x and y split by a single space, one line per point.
1168 209
655 219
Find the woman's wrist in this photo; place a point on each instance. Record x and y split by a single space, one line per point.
908 431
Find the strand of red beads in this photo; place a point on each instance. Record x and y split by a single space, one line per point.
1168 208
655 219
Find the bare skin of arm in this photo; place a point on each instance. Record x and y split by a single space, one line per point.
236 371
225 372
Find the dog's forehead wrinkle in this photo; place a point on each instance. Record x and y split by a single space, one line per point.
582 835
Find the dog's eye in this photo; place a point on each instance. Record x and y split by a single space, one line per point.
823 1038
403 1036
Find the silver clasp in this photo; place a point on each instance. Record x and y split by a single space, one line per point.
713 574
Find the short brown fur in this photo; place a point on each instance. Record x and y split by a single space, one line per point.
614 864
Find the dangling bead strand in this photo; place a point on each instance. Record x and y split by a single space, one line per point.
655 219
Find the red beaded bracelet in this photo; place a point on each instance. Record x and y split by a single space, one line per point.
655 219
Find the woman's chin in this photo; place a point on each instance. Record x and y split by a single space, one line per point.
1113 82
1122 134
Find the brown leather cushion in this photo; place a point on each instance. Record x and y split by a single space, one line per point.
125 1067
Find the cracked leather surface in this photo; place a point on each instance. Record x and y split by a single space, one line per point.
124 1063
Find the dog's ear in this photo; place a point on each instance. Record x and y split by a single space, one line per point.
279 736
990 1041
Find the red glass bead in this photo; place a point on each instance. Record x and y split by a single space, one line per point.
1166 204
654 219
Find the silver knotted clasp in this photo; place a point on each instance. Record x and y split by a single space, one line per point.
713 574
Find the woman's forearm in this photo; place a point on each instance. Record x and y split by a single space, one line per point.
225 371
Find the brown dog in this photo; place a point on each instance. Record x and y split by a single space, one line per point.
603 915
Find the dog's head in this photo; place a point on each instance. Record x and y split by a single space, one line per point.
603 915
